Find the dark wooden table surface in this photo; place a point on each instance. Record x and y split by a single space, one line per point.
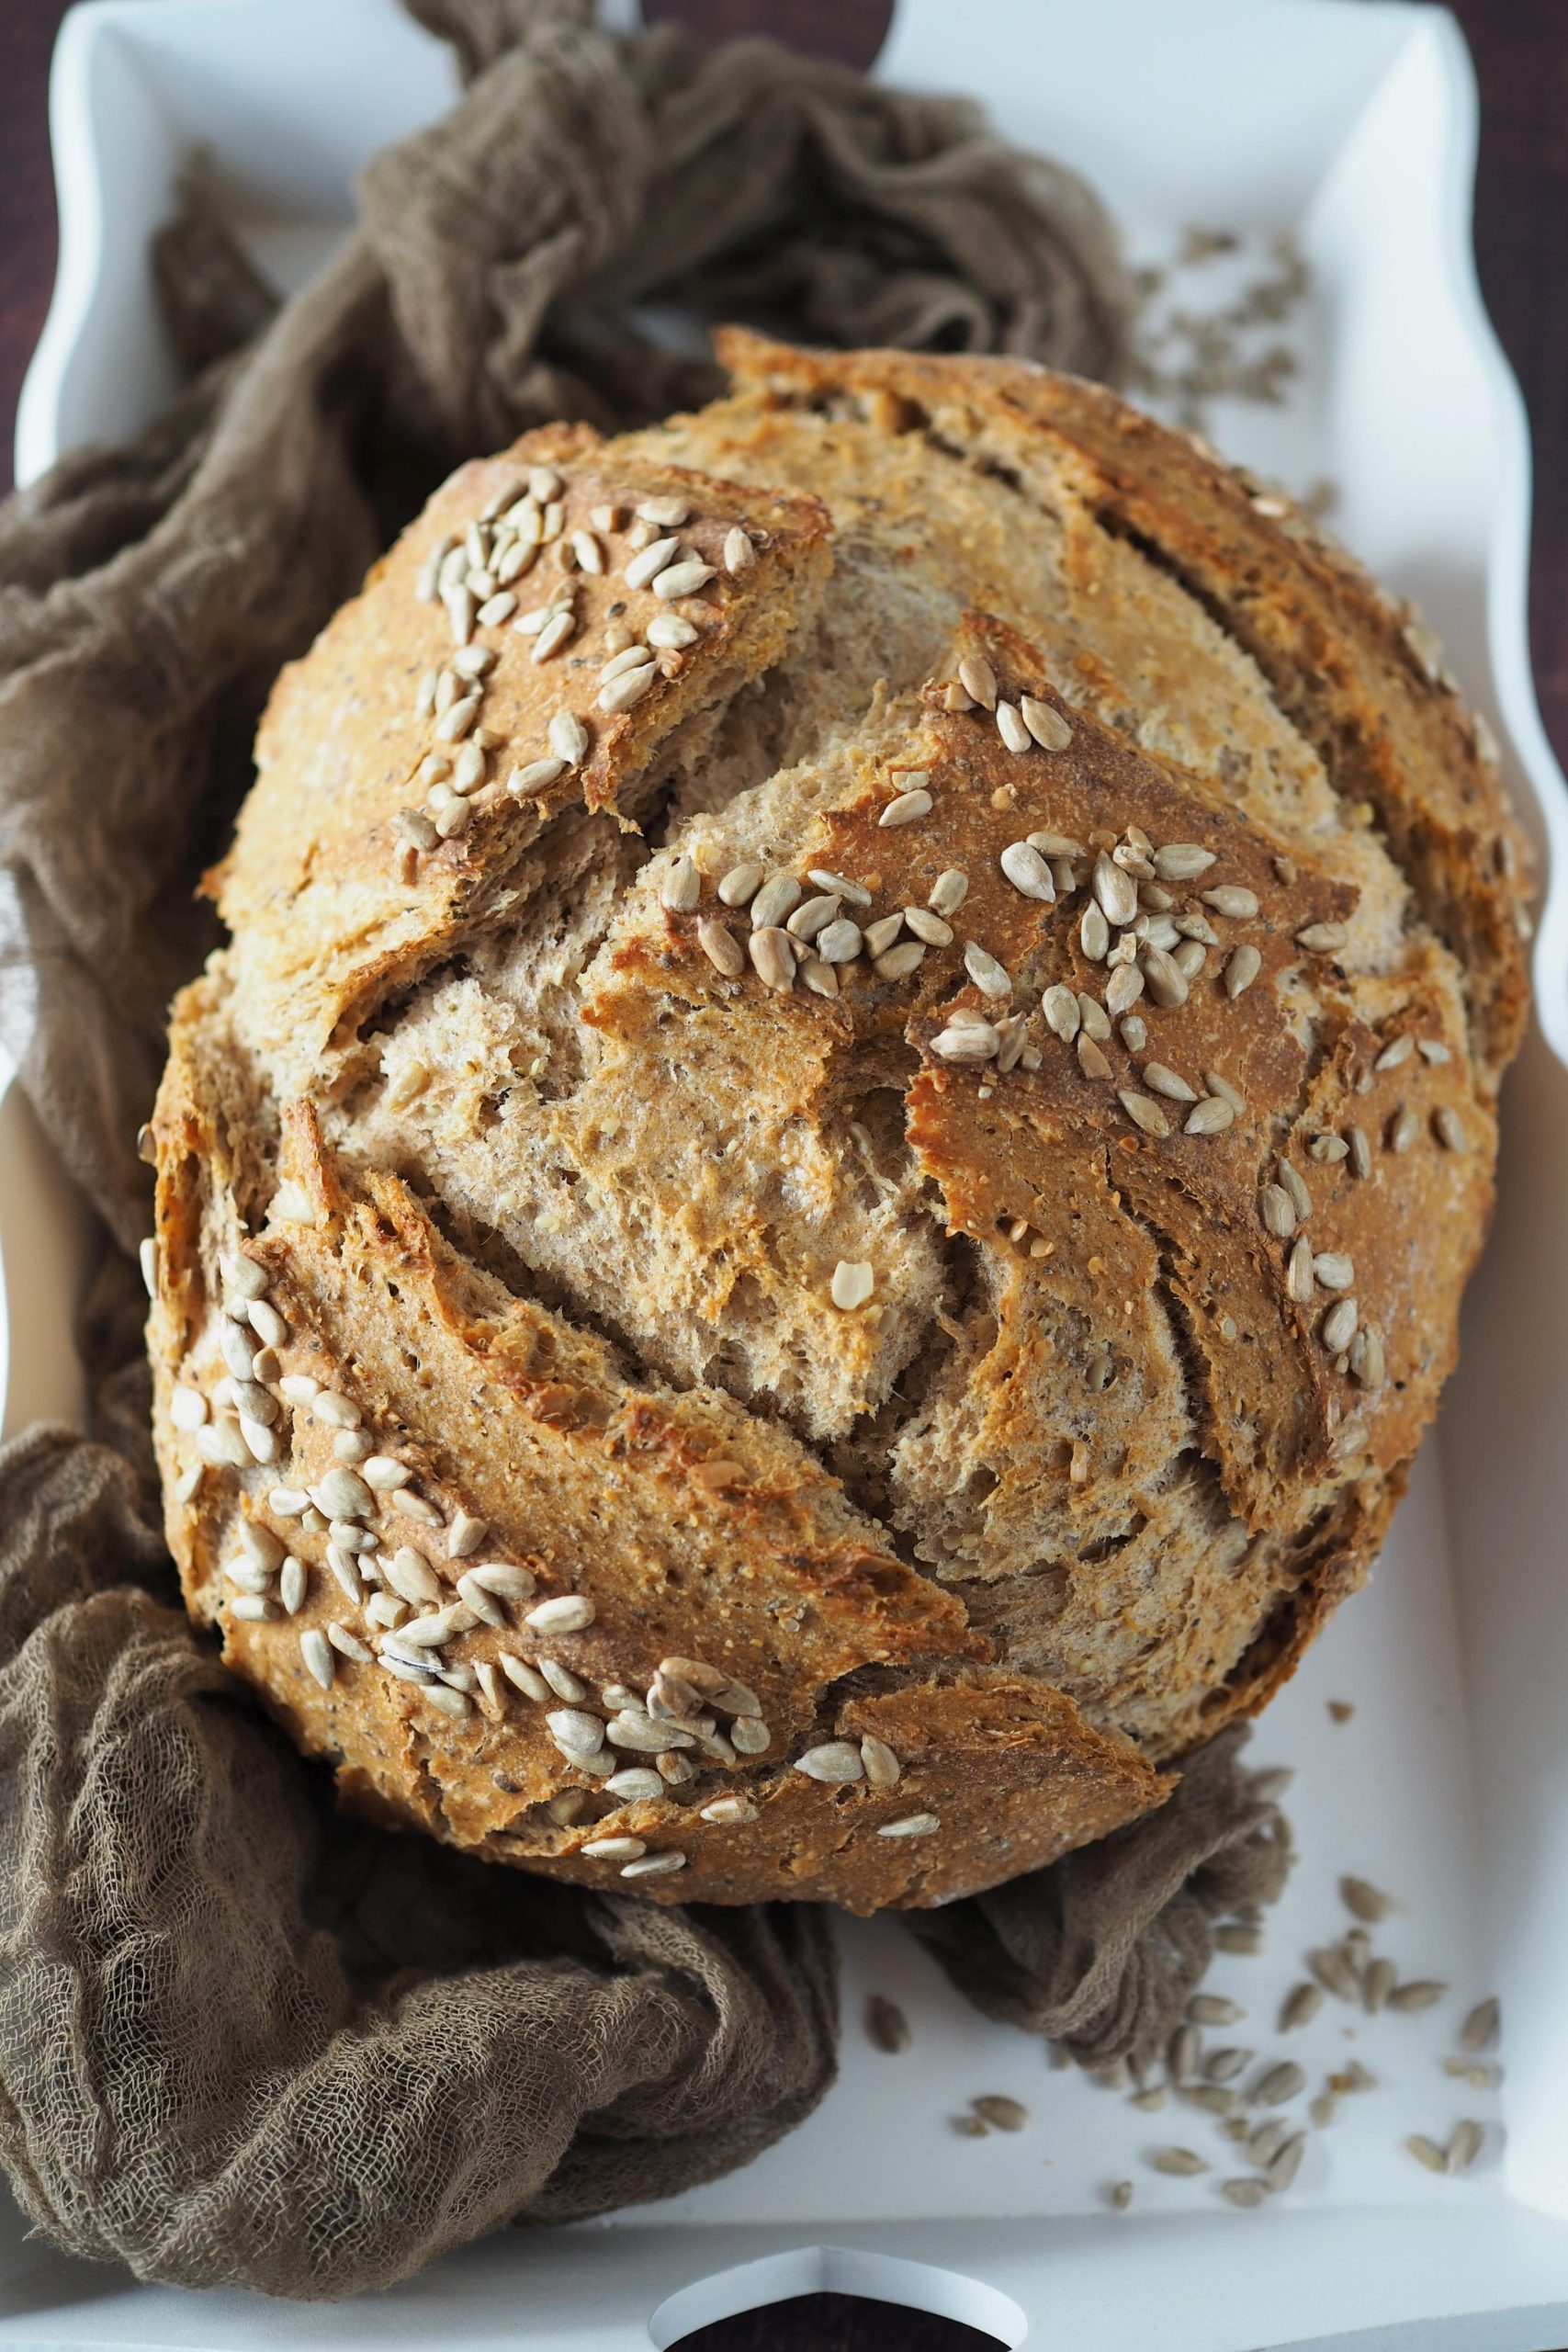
1521 234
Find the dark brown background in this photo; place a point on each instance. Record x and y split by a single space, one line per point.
1521 234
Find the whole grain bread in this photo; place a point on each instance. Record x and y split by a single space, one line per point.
815 1214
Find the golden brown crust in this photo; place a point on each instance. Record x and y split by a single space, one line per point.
555 1168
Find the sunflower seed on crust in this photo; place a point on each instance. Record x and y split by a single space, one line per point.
1143 1112
721 948
1339 1327
772 958
1115 890
838 942
1045 723
1028 872
978 679
568 1613
1322 938
900 961
1012 728
524 1676
1209 1117
968 1042
835 1761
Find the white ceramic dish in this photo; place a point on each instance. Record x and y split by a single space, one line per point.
1354 127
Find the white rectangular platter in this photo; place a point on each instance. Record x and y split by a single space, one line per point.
1352 126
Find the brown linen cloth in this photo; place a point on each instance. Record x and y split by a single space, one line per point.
244 2041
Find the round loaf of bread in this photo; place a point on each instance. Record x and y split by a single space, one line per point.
817 1208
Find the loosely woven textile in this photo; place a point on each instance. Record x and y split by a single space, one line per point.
244 2041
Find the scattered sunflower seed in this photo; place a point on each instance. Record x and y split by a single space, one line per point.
1363 1900
1279 2083
1215 2097
885 2024
1421 1993
1244 2191
1005 2114
1378 1983
1480 2028
1464 2144
1211 2009
1426 2152
1331 1966
1283 2167
1299 2006
1181 2053
1182 2162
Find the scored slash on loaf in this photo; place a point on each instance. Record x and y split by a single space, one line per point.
808 1228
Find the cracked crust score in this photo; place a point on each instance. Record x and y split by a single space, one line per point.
826 1394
